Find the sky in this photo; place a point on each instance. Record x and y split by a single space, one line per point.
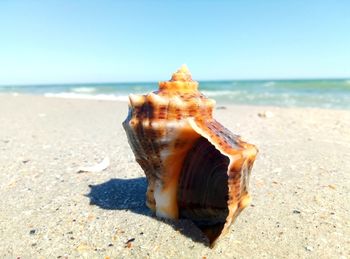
63 41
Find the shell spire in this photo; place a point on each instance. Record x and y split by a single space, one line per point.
182 74
195 167
181 81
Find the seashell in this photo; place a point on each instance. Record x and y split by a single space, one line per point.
195 167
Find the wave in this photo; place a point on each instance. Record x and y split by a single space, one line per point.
83 89
220 93
271 83
104 97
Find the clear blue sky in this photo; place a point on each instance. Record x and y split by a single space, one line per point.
117 41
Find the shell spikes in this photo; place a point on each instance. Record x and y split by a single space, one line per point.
195 167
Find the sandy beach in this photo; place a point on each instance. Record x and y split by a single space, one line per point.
300 185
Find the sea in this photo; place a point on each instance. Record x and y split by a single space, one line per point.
325 93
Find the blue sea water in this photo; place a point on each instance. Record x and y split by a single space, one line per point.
285 93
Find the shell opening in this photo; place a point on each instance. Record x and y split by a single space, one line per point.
203 188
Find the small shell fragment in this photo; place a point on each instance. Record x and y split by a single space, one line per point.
103 165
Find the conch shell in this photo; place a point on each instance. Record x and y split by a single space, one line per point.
195 167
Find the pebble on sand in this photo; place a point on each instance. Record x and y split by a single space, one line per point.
266 114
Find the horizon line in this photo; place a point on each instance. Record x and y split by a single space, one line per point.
204 80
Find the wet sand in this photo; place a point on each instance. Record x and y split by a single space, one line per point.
300 185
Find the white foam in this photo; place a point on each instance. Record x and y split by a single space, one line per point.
107 97
271 83
84 89
219 93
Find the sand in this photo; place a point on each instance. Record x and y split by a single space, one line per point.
300 185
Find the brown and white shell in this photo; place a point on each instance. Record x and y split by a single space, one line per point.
195 167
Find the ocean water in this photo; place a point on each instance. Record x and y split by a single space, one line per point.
284 93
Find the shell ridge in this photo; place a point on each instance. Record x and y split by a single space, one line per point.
204 134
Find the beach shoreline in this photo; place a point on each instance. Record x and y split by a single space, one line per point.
299 184
323 93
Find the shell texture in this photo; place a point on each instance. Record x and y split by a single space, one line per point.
195 167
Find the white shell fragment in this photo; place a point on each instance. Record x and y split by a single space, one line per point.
95 168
